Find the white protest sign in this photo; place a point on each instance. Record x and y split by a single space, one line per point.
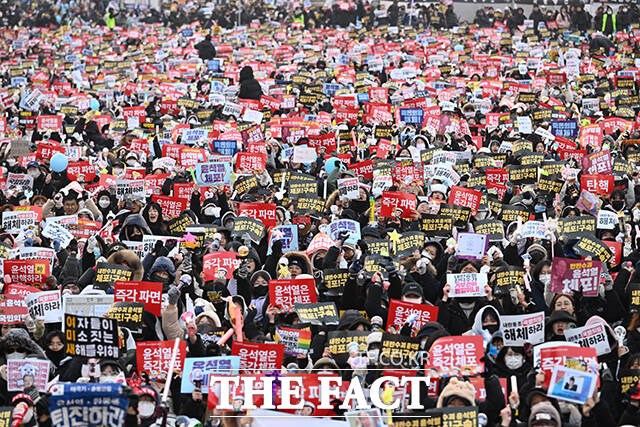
594 336
607 220
381 183
535 229
33 252
54 230
45 305
129 187
542 132
348 187
467 284
15 221
524 124
19 181
472 245
252 116
446 157
523 328
304 154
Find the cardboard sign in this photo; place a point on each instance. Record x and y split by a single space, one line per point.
334 279
46 306
154 357
25 373
32 271
467 285
523 328
398 205
594 336
265 212
256 357
569 276
147 293
220 265
400 312
91 336
472 245
456 355
317 313
107 274
402 350
338 342
296 341
128 314
285 293
197 371
461 196
253 227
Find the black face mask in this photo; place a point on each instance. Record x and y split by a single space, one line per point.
55 356
555 337
617 204
491 328
359 206
260 291
158 279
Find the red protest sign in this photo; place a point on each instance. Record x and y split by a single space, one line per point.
27 271
50 123
397 204
258 357
190 157
400 311
153 182
572 154
363 169
250 162
616 251
551 357
461 196
407 173
265 212
497 175
457 355
172 207
154 357
218 265
569 275
81 171
12 309
597 183
172 150
46 151
597 163
148 293
285 293
85 228
138 112
183 190
21 291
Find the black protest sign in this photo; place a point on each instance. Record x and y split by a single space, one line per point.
379 247
569 228
483 161
493 228
466 416
375 263
5 415
621 166
128 314
107 274
91 336
308 204
178 225
527 98
384 132
399 350
253 227
339 341
302 185
436 225
510 213
519 175
244 184
317 313
531 158
634 306
550 183
628 378
409 243
552 167
460 214
428 418
588 245
333 280
507 278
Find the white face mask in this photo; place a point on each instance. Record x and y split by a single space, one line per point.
108 378
417 300
117 172
545 279
34 173
373 355
513 362
16 355
146 409
104 203
326 372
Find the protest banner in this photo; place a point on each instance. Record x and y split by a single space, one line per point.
19 182
522 328
460 416
220 264
507 278
171 207
628 379
86 305
91 336
436 225
338 343
398 205
107 274
471 245
46 306
522 175
147 293
466 197
348 188
12 309
212 174
317 313
457 355
333 280
286 292
491 227
594 336
15 221
258 357
23 374
32 271
153 357
588 245
401 312
253 227
296 341
467 285
264 212
88 404
129 188
408 243
634 291
128 314
460 214
568 276
399 350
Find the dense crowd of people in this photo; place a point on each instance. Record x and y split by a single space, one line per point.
352 190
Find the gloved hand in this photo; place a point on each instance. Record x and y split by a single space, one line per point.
452 263
276 247
243 271
174 295
251 314
56 245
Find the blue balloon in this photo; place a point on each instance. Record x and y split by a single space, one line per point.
459 48
59 162
332 164
94 104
